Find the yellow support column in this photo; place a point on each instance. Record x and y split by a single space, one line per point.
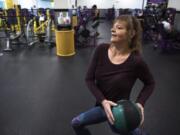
42 26
35 25
18 8
9 4
65 43
48 14
74 21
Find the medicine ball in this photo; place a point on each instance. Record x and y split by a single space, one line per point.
127 116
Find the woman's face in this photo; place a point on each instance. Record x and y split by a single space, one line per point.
119 32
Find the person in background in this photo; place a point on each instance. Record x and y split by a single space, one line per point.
95 19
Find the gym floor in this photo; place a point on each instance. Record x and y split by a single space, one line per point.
40 92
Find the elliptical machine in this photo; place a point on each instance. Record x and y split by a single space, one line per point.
14 30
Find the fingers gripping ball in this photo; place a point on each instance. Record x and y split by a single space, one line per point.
127 116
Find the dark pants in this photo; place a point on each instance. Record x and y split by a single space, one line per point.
94 116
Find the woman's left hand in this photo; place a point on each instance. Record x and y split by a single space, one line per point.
142 113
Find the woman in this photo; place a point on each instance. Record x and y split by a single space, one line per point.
112 73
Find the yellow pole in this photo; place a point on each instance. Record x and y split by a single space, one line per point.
17 7
41 22
5 14
74 21
35 25
9 4
48 14
43 27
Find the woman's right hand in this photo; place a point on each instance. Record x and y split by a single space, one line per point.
107 108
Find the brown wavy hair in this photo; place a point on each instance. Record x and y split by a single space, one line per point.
132 25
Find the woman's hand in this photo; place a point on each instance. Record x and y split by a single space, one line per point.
107 108
142 113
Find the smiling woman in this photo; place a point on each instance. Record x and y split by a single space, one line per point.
119 32
112 73
126 33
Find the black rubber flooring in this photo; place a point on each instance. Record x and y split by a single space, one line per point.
40 92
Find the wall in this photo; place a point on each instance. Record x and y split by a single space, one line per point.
174 4
44 4
30 3
1 3
27 3
100 3
103 4
129 3
176 22
64 4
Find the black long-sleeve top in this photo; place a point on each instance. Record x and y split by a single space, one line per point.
115 81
